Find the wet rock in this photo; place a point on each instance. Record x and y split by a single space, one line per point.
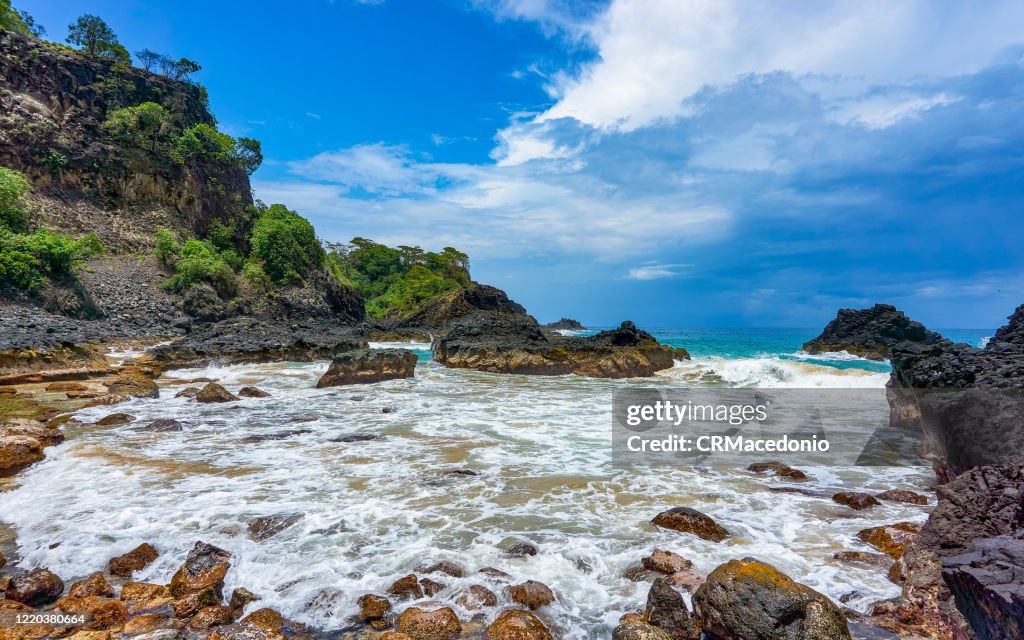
476 596
531 594
750 599
444 566
135 560
143 591
431 587
879 560
407 588
421 624
105 612
115 420
870 333
357 437
663 561
638 630
277 435
516 624
667 610
157 626
497 574
262 528
891 539
34 588
3 560
687 580
637 572
265 618
18 452
241 597
47 434
66 386
855 500
777 468
202 573
133 383
687 520
238 631
395 635
986 582
252 392
213 392
367 366
94 585
902 495
373 607
187 392
162 426
521 550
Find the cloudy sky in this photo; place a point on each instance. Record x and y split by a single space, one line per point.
676 162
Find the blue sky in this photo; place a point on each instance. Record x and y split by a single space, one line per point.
676 162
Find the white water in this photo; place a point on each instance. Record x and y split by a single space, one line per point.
376 510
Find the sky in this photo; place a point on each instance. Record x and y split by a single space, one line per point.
680 163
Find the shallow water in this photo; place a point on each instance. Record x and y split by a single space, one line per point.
375 510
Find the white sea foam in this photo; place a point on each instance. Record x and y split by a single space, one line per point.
984 342
415 346
772 372
375 510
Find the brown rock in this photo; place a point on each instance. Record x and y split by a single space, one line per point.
687 580
476 596
115 420
139 591
191 603
134 560
213 392
204 569
395 635
407 588
265 618
902 495
262 528
146 622
367 366
133 383
252 392
663 561
18 452
94 585
516 624
521 550
210 617
497 574
438 624
855 500
66 386
667 611
187 392
879 560
241 597
890 539
531 594
373 607
450 568
34 588
47 434
105 612
777 468
162 426
239 631
689 520
638 630
431 587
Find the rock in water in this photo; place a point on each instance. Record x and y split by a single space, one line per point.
367 366
870 333
134 560
638 630
134 383
262 528
516 624
202 572
531 594
252 392
689 520
18 452
34 588
213 392
439 624
754 601
565 324
667 610
855 500
892 539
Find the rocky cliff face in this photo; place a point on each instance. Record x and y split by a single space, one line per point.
54 101
870 333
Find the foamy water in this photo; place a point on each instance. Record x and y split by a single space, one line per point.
375 510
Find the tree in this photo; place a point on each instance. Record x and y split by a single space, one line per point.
182 68
18 21
117 53
148 58
92 34
249 154
140 124
286 243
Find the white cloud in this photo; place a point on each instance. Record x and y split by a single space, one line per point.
885 110
655 271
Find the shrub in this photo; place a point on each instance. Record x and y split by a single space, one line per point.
139 126
19 269
166 248
417 286
256 278
287 245
205 142
54 161
199 261
13 187
27 259
221 235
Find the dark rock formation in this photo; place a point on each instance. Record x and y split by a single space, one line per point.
502 343
667 611
244 340
442 311
368 365
214 392
565 324
870 333
34 588
986 584
689 520
267 526
855 500
752 600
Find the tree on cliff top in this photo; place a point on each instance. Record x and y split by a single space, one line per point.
95 37
18 21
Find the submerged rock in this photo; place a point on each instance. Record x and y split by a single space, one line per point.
870 333
214 392
476 596
777 468
134 383
187 392
136 559
902 495
521 550
367 366
752 600
252 392
855 500
689 520
162 426
264 527
115 420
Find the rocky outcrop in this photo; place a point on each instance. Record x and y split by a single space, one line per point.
501 343
249 340
870 333
750 600
367 366
443 310
565 324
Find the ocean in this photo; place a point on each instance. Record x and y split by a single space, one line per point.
461 465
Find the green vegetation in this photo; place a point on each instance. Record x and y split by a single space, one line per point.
204 141
139 126
18 21
54 161
94 36
197 261
286 244
26 260
13 208
395 282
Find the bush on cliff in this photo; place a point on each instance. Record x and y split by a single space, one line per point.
199 261
13 188
139 126
205 142
27 260
95 37
166 248
18 21
287 245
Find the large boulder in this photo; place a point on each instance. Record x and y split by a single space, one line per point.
18 452
34 588
502 343
516 624
369 365
667 611
436 624
202 573
750 600
687 520
531 594
870 333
